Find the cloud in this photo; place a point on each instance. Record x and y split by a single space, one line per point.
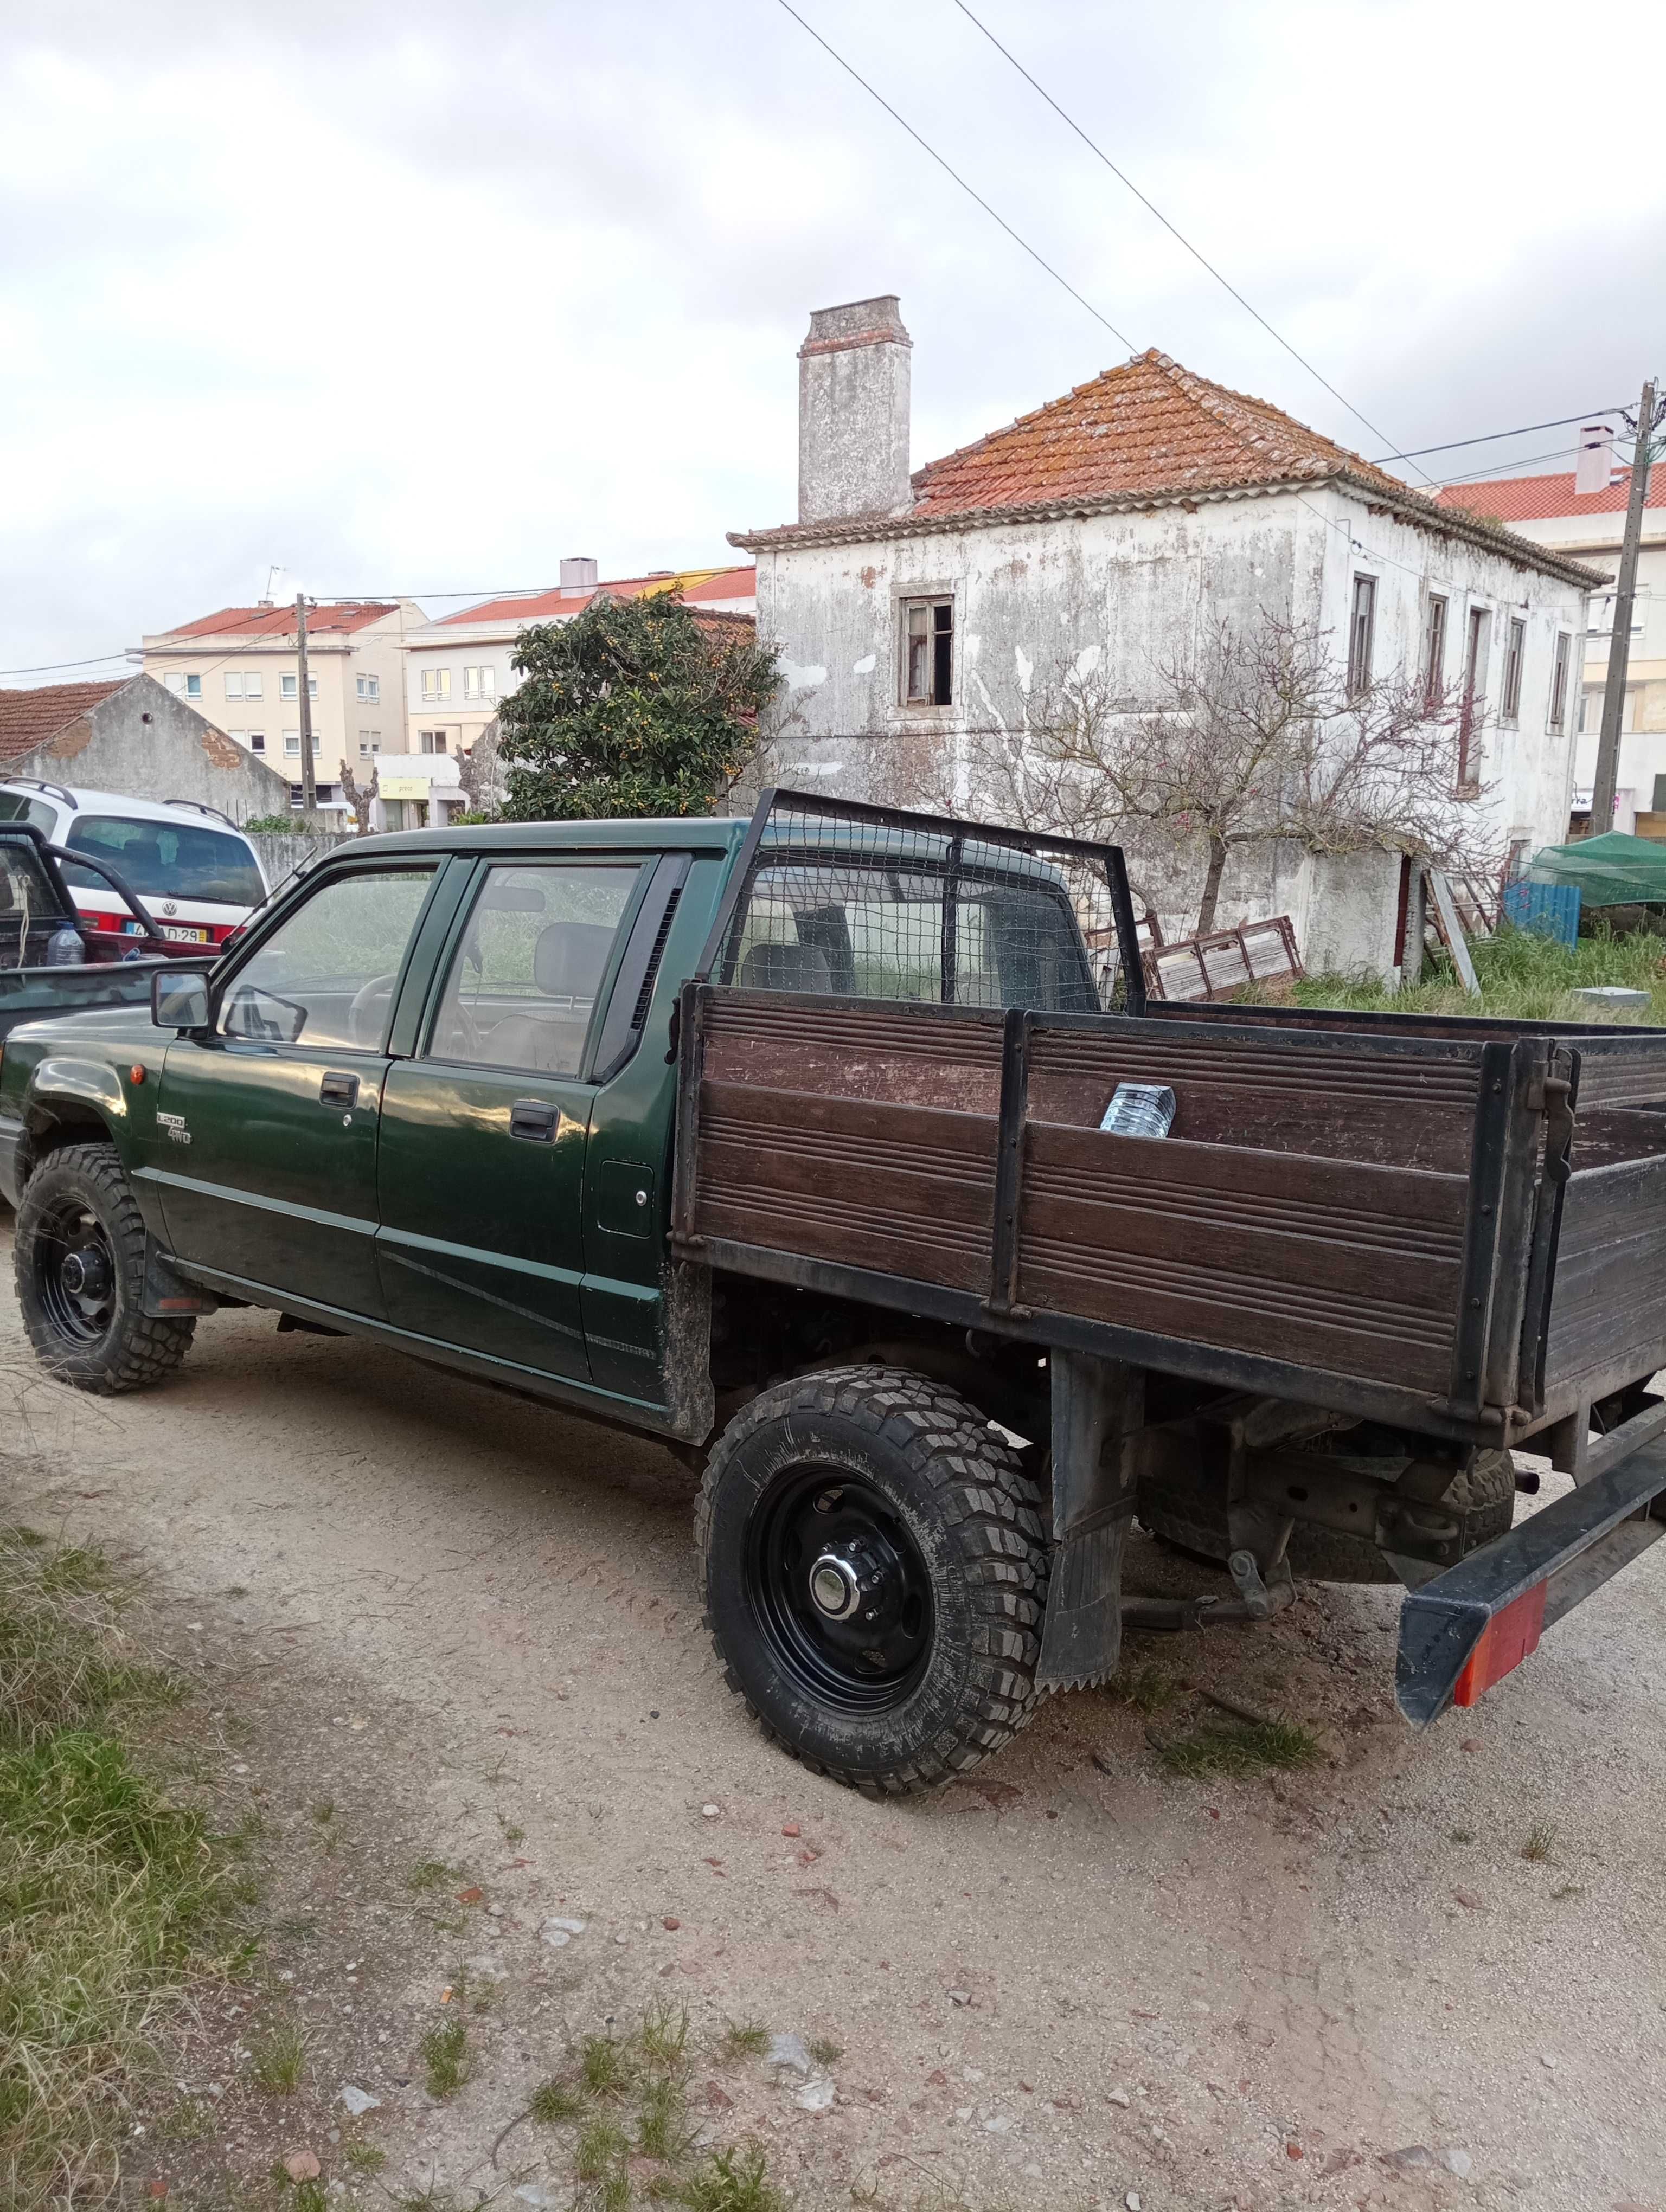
414 297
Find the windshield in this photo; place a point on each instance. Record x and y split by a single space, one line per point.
166 860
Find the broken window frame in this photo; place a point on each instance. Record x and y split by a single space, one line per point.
1515 652
1476 645
927 652
1362 633
1560 670
1434 648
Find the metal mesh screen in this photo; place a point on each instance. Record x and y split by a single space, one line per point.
873 903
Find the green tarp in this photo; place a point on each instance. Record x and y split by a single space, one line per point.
1612 870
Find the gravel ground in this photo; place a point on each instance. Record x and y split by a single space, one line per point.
470 1627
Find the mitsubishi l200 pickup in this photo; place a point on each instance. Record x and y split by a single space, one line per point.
786 1140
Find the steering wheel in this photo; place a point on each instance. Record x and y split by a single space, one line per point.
367 1017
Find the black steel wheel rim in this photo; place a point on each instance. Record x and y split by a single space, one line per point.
838 1589
75 1272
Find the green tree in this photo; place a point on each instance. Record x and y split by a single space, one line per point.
636 706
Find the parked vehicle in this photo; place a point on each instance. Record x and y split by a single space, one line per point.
192 863
787 1142
52 959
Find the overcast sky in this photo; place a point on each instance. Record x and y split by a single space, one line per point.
421 297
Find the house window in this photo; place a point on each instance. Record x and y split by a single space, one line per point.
1434 652
1362 629
1475 691
1514 650
188 687
432 741
292 743
289 682
929 653
480 683
257 741
436 684
234 686
238 736
1657 806
370 744
253 683
370 686
1559 682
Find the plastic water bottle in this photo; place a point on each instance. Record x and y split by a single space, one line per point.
64 948
1139 1110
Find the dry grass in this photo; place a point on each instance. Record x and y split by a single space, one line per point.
1523 977
1240 1747
111 1893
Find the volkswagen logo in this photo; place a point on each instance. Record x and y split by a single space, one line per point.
169 906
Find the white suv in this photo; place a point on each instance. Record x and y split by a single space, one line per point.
189 864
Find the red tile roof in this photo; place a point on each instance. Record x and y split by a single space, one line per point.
28 719
1150 425
698 585
1538 499
280 621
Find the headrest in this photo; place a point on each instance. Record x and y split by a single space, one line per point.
786 968
570 957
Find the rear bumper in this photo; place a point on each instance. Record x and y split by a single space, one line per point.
1471 1625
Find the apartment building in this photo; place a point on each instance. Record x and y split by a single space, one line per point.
458 668
1582 514
240 670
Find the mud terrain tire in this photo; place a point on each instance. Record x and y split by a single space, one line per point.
87 1320
899 1486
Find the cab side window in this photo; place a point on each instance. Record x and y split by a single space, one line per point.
523 981
327 977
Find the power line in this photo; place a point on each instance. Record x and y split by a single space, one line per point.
49 667
1489 437
1121 336
1174 232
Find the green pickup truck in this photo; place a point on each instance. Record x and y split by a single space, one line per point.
796 1142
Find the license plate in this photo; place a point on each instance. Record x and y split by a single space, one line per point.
181 935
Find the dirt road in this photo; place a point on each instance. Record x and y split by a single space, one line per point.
1070 1978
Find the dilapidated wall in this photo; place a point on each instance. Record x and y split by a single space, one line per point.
1117 596
145 744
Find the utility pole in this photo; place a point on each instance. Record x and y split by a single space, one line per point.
1619 641
309 786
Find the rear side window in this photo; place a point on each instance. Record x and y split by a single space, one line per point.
981 938
15 807
167 860
526 977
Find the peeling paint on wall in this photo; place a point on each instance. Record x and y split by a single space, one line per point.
806 675
866 665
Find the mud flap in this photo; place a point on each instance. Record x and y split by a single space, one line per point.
167 1295
1098 1407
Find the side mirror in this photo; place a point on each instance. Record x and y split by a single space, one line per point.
179 1001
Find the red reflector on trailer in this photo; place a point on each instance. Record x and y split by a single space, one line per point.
1508 1638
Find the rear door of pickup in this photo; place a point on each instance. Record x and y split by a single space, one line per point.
485 1128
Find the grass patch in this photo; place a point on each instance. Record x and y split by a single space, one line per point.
660 2130
1460 1835
430 1875
603 2148
1521 978
557 2102
445 2057
825 2052
747 2041
280 2061
1240 1747
111 1893
1146 1688
1539 1843
665 2033
736 2180
366 2158
606 2068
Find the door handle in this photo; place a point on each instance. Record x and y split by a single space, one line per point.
338 1090
532 1119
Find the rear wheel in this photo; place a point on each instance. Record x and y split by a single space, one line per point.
78 1256
875 1572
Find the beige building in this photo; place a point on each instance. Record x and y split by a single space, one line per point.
458 670
239 668
1587 526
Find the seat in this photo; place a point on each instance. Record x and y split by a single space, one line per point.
523 1042
786 968
570 958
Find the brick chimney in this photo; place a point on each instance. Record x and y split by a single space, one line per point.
854 412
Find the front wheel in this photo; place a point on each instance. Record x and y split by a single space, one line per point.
79 1260
875 1573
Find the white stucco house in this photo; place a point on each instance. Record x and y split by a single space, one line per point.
1114 523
